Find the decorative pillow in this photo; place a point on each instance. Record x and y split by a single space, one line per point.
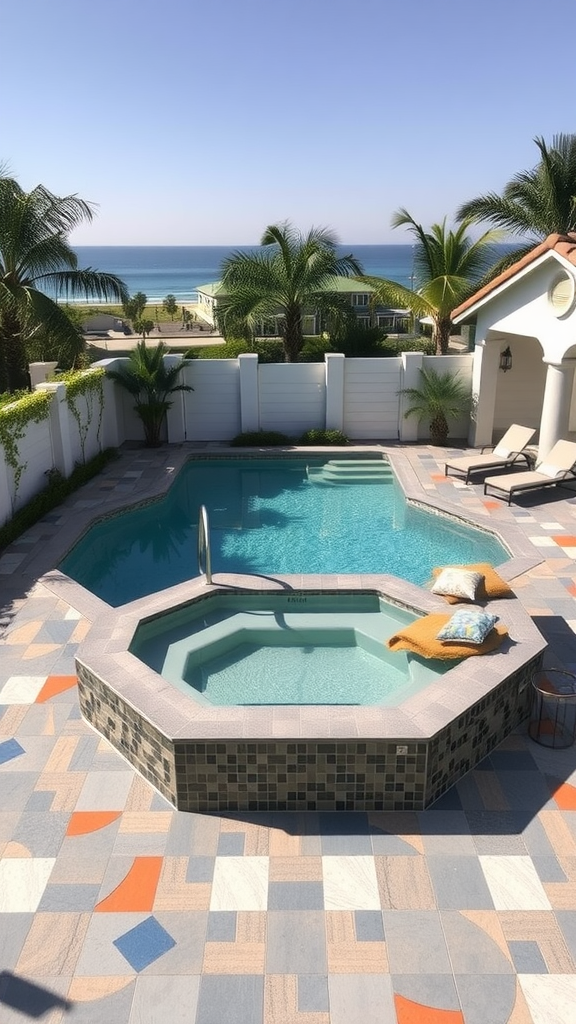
460 583
502 452
548 470
492 586
470 627
420 638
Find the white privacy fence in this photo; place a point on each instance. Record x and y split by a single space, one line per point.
360 397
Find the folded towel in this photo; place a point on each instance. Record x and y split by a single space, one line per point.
493 585
420 638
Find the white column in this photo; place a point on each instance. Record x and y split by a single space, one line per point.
556 406
484 382
249 401
175 422
412 363
335 363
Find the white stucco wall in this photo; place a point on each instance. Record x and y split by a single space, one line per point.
371 400
292 397
519 391
523 309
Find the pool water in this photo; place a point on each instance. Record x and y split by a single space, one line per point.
284 649
273 517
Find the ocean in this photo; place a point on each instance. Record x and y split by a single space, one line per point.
161 270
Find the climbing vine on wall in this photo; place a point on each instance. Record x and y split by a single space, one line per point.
15 418
90 384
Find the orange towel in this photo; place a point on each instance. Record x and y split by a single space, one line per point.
492 587
420 638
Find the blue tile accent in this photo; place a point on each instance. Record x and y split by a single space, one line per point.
527 958
221 926
231 844
313 993
144 944
200 869
9 750
230 999
295 896
369 926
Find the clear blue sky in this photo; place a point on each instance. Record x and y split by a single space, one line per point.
200 123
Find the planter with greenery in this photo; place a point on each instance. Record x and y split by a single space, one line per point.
440 398
146 376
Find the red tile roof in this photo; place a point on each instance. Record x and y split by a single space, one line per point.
564 245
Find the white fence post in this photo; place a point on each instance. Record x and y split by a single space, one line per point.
59 428
411 365
249 399
335 362
175 420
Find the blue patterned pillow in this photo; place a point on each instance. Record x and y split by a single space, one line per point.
470 627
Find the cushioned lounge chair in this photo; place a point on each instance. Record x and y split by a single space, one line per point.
553 471
506 453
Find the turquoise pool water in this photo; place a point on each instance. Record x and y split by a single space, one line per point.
271 516
284 649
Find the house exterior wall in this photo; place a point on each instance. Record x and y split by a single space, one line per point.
520 391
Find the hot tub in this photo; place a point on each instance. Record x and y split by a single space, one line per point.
280 649
310 756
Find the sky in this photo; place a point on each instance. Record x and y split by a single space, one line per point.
200 123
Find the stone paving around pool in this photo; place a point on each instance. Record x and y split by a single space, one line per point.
116 908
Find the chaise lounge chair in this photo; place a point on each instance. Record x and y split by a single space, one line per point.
508 451
553 471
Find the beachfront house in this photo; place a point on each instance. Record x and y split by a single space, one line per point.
524 324
360 297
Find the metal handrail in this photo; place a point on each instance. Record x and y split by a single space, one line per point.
204 559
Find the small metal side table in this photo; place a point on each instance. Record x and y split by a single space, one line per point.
553 712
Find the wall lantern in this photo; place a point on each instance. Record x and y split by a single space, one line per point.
506 359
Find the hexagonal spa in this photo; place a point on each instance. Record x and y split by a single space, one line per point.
284 697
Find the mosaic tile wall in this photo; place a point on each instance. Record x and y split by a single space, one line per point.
465 742
306 774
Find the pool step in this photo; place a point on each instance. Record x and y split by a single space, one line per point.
357 471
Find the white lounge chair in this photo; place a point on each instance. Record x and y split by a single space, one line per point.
553 471
506 453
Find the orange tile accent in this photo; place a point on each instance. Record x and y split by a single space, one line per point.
564 795
572 589
565 540
82 822
55 685
438 476
409 1012
137 890
491 505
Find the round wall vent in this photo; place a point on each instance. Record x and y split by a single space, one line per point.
561 294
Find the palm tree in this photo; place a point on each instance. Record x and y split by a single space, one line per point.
439 398
150 381
292 274
535 203
447 267
35 257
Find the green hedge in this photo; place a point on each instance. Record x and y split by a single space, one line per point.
58 489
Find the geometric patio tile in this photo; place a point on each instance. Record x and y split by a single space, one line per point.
22 883
21 689
10 749
144 944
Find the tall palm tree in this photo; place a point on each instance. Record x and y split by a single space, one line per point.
448 266
291 274
534 203
35 258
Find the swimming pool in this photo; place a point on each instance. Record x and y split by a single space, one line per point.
280 649
273 516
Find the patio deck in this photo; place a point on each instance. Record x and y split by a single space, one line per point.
114 907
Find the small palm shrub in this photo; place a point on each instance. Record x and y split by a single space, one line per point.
151 382
260 439
440 397
323 438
